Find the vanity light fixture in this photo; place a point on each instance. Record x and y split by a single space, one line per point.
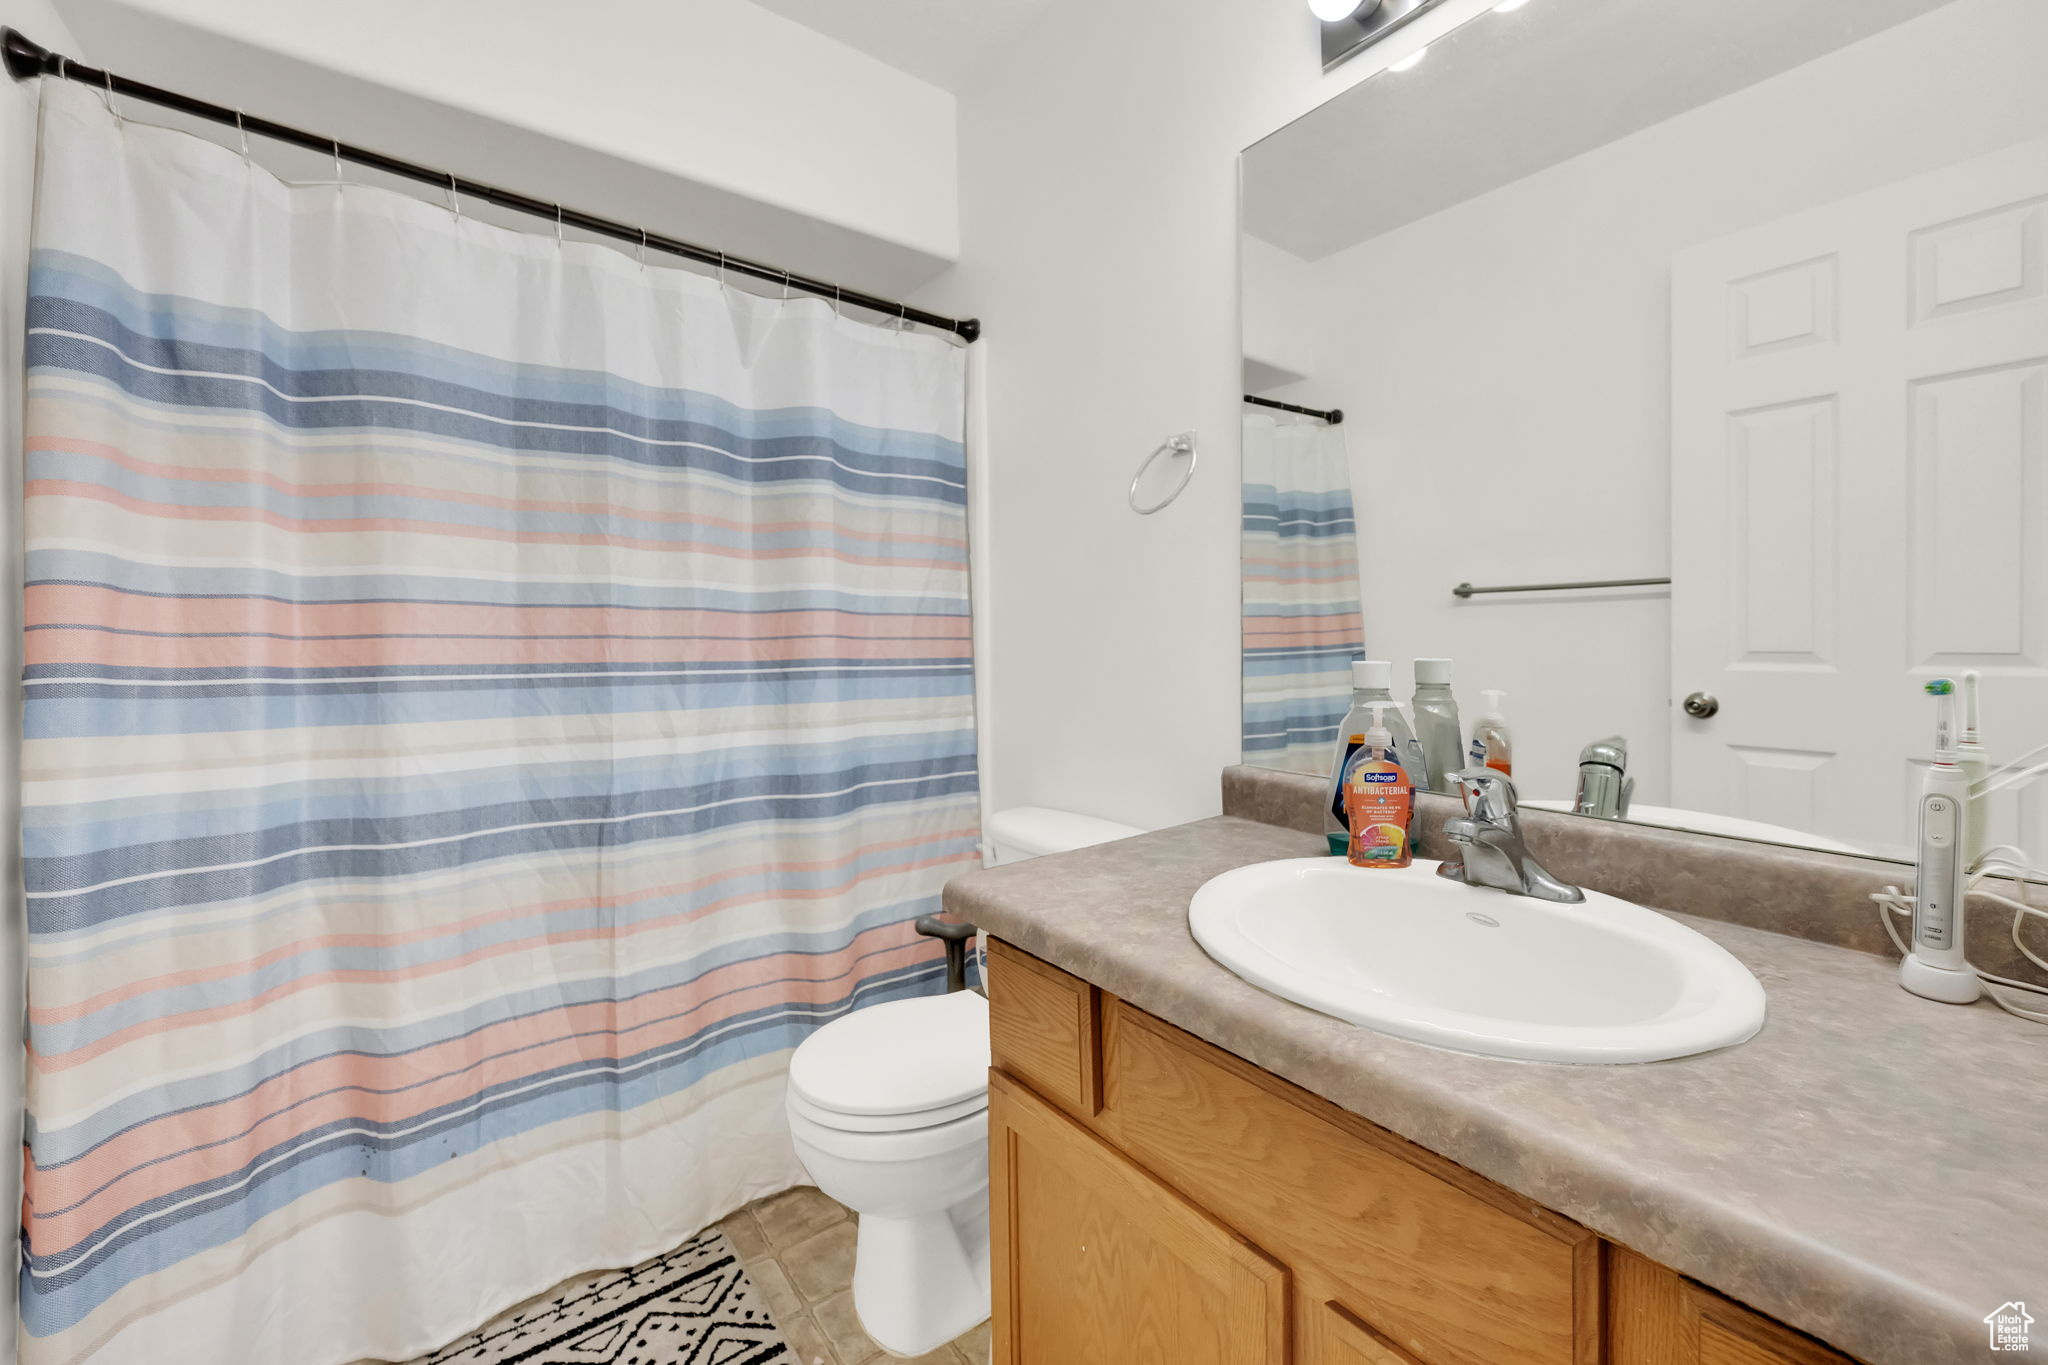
1349 25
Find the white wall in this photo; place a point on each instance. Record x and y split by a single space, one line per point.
714 120
17 182
1098 242
1506 363
1283 317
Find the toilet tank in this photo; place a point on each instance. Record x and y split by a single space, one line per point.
1028 831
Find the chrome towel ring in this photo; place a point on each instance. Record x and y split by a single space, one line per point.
1183 444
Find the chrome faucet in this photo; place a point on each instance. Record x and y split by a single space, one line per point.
1604 791
1488 839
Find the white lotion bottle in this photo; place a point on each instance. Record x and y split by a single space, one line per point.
1490 745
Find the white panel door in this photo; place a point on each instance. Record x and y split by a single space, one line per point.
1860 498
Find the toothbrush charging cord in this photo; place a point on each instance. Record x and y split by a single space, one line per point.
1892 901
2006 777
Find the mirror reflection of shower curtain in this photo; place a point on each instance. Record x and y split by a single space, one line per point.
487 701
1302 626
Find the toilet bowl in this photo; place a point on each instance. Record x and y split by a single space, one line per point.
888 1108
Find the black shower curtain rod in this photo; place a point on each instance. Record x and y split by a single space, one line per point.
1333 416
26 57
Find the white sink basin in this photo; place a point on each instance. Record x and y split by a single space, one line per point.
1407 952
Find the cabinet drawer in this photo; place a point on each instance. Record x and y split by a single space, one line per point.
1657 1317
1733 1335
1044 1028
1437 1265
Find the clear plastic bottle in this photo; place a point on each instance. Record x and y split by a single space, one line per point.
1490 745
1371 681
1436 724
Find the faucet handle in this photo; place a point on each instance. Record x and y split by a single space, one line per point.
1489 795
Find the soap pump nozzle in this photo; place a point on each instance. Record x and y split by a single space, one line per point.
1379 739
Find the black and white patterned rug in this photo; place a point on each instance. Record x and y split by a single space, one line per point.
692 1306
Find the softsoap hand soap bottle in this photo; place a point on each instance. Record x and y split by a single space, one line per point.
1379 799
1371 680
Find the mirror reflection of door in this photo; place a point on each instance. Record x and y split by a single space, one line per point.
1753 299
1859 467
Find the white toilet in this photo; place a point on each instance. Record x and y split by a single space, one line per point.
1028 831
888 1108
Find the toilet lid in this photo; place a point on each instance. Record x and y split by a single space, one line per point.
899 1057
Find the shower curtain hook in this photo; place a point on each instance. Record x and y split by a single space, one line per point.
242 133
643 250
558 225
835 304
339 178
112 107
721 272
454 198
785 286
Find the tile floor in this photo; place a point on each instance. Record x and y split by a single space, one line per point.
798 1250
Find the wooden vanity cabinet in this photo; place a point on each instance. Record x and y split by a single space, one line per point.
1158 1201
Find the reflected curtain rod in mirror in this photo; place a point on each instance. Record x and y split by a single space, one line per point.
1333 416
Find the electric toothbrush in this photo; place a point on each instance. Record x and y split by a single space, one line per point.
1976 765
1935 968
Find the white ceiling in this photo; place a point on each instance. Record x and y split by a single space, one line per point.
1508 95
941 41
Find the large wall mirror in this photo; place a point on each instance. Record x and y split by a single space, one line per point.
1739 309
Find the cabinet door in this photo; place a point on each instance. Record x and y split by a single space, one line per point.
1437 1261
1341 1339
1097 1263
1657 1317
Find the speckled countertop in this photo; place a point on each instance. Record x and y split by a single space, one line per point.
1872 1168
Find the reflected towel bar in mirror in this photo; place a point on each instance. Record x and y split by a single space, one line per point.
1467 590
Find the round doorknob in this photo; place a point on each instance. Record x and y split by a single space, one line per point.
1700 705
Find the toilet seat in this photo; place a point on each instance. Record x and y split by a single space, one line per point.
896 1066
886 1123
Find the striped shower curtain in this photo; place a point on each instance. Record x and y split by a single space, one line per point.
1302 626
486 701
